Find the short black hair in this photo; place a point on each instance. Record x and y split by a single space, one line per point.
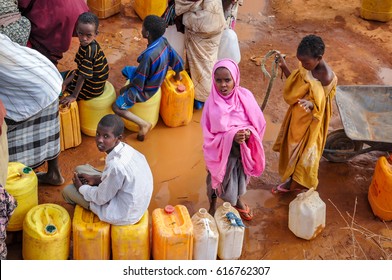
89 18
155 25
311 45
113 121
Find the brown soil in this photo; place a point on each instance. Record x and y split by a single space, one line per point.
359 51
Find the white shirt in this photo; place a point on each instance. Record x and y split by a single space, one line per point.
29 82
126 188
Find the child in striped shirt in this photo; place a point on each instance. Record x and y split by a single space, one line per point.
88 80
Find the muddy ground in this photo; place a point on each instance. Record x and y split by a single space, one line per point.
360 53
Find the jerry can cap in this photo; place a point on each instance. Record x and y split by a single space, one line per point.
169 209
27 170
181 87
50 229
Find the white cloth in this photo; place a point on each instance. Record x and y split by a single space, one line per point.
126 188
29 82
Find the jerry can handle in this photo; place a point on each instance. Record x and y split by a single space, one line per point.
22 172
306 194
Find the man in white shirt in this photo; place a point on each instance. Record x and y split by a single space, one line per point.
122 192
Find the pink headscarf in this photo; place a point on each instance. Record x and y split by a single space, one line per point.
222 117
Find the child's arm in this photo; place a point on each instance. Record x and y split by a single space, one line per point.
67 81
66 101
282 64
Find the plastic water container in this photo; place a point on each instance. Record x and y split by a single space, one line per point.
231 238
205 236
91 236
172 233
229 47
70 135
176 40
131 242
379 10
380 190
104 8
144 8
307 215
22 184
91 111
148 111
177 100
46 233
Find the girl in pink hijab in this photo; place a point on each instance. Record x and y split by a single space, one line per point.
233 128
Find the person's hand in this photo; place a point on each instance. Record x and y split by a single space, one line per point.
280 59
91 180
241 136
76 181
66 101
306 105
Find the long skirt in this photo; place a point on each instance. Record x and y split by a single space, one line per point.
201 55
235 181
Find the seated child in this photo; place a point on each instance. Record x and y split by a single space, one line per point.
147 78
121 193
88 80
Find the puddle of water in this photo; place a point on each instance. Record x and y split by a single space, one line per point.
385 75
176 159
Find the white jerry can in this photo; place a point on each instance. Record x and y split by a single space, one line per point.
307 214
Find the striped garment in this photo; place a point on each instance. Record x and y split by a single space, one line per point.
154 63
29 82
36 140
92 64
30 85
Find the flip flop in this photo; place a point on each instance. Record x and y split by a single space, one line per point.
245 214
281 187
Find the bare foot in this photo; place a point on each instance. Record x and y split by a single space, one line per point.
43 178
143 131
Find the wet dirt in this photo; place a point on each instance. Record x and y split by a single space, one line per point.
359 51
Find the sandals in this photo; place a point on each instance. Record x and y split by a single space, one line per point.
281 188
246 214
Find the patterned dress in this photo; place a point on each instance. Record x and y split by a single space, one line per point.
7 207
12 24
